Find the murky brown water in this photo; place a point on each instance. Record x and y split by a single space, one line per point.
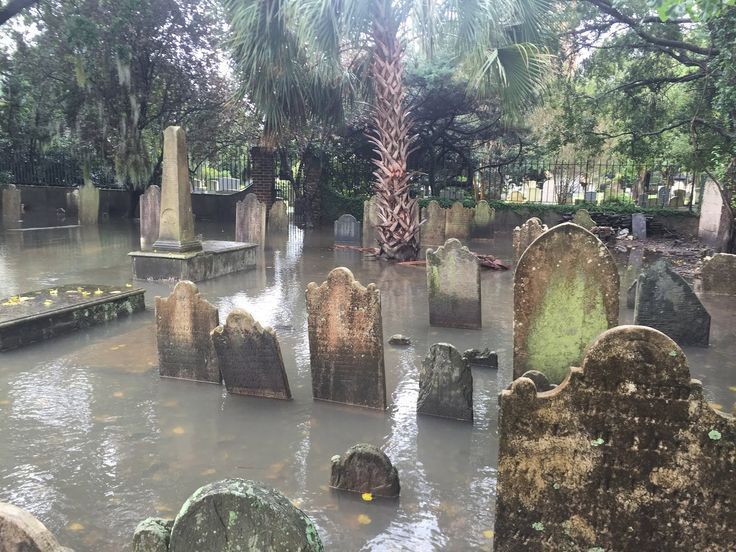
93 441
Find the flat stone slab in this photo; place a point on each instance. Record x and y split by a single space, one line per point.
45 313
217 258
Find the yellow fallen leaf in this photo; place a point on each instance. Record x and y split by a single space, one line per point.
208 471
363 519
488 534
75 526
118 394
129 285
48 303
98 291
53 292
85 294
178 430
732 388
367 497
716 406
297 502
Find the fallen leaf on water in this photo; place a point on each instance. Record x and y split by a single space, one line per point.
297 502
75 526
716 406
732 388
115 292
363 519
118 394
54 292
169 404
98 291
488 534
367 497
4 402
178 430
208 471
129 285
48 303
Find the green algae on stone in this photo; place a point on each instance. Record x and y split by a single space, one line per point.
152 535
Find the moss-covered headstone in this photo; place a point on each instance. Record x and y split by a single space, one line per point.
365 468
482 224
445 384
432 230
719 274
525 234
582 218
453 286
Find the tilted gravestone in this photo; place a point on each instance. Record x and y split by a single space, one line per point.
89 204
566 292
482 224
11 207
666 302
458 222
432 230
250 220
249 358
184 321
346 341
347 229
365 468
525 234
715 227
445 384
582 218
625 455
370 220
639 226
20 531
150 212
719 274
453 286
278 217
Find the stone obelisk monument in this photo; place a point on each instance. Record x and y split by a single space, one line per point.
176 226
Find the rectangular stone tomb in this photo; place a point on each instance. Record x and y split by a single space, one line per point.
217 258
45 313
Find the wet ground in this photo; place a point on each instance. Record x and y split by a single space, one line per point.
93 441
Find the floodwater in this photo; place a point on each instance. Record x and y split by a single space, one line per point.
93 441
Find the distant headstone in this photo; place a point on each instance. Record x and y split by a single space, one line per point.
278 217
481 359
516 197
11 207
20 531
365 468
152 535
72 203
482 224
347 229
719 274
249 358
237 514
540 380
582 218
458 222
250 220
525 234
591 197
346 341
453 286
432 231
445 384
150 211
625 455
715 228
676 202
89 204
663 196
184 321
566 290
666 302
370 220
639 226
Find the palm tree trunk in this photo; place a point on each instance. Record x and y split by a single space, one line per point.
398 227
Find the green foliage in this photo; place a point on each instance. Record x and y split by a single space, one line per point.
335 204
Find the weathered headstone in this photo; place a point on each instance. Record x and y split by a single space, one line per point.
566 289
482 224
346 341
176 225
150 212
716 218
365 468
89 204
582 218
458 222
719 274
184 321
432 231
347 229
250 220
540 380
663 196
625 455
278 217
445 384
20 531
11 207
72 203
525 234
475 358
237 514
370 220
639 226
516 197
666 302
453 286
152 535
249 358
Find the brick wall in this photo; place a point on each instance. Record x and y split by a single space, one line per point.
263 173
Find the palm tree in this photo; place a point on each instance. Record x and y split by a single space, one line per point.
494 45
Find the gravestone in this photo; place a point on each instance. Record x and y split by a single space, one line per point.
445 384
11 207
249 358
278 217
666 302
715 227
516 197
676 202
432 231
453 286
152 535
150 211
458 221
566 289
184 321
176 223
370 220
346 341
639 226
89 204
540 380
347 229
237 514
475 358
72 203
250 220
591 197
365 468
663 196
582 218
525 234
719 274
625 455
482 224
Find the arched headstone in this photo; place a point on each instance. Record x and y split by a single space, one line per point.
582 218
432 230
525 234
250 220
89 204
458 222
453 286
482 224
347 229
278 217
365 468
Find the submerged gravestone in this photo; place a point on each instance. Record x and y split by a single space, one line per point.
453 286
719 274
666 302
278 217
11 207
347 229
525 234
639 226
482 224
152 535
626 454
370 221
237 514
365 468
582 218
475 358
72 203
249 358
346 341
89 204
20 531
250 220
184 321
445 384
432 230
150 213
715 227
566 289
458 221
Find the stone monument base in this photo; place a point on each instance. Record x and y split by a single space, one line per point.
217 258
